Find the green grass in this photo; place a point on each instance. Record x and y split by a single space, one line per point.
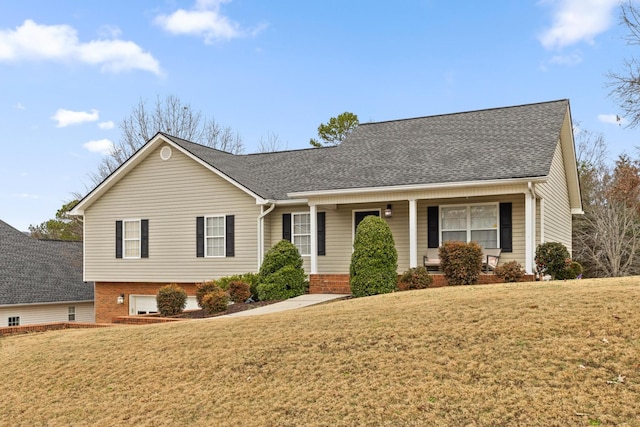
553 354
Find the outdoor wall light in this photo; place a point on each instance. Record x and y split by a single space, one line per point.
121 299
388 212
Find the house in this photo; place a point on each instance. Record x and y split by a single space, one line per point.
179 212
41 281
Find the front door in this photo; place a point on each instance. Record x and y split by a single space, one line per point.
359 216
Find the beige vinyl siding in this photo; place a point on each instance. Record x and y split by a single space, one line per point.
557 212
170 194
34 314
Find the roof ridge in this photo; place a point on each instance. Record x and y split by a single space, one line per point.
465 112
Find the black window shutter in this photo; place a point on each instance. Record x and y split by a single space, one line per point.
144 238
200 237
433 230
506 235
286 227
118 239
320 226
230 236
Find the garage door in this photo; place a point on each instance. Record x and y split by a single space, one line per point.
145 304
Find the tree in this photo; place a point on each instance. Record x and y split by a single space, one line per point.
63 227
335 130
625 85
270 144
173 117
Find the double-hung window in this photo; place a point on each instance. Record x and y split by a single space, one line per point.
466 223
215 236
71 314
131 238
13 321
302 232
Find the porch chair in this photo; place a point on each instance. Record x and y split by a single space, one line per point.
490 258
431 259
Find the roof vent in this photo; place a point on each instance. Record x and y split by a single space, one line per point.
165 153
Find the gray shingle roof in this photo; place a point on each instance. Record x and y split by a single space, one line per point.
499 143
40 271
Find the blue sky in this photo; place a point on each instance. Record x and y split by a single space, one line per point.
70 71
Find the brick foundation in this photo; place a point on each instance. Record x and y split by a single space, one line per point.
339 283
106 297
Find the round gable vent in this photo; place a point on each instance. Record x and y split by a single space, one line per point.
165 153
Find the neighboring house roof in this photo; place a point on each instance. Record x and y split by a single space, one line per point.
40 271
485 145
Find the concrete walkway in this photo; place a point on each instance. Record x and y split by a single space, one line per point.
290 304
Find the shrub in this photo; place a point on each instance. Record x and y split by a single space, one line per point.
204 288
374 261
250 278
171 300
461 262
215 301
551 258
415 278
571 271
288 282
510 271
239 291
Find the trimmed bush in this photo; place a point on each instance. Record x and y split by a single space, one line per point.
239 291
374 262
250 278
571 271
171 300
510 271
552 258
215 301
415 278
461 262
204 288
287 282
281 275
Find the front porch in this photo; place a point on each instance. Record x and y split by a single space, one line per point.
339 283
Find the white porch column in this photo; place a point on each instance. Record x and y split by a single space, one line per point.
313 216
413 233
529 231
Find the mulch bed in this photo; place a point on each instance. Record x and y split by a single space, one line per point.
233 308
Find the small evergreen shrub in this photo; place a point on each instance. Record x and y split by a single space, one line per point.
461 262
287 282
572 270
250 278
239 291
374 261
415 278
215 301
510 271
204 288
281 275
552 258
171 300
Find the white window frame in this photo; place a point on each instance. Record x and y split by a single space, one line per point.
125 239
294 235
468 229
71 314
13 321
224 236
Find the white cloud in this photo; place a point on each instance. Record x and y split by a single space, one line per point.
26 196
106 125
33 42
68 117
206 21
102 146
612 119
571 59
577 20
19 106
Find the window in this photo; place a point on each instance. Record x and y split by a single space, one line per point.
131 239
302 232
214 236
72 314
13 321
468 223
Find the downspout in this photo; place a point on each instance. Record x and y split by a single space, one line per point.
532 191
261 231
